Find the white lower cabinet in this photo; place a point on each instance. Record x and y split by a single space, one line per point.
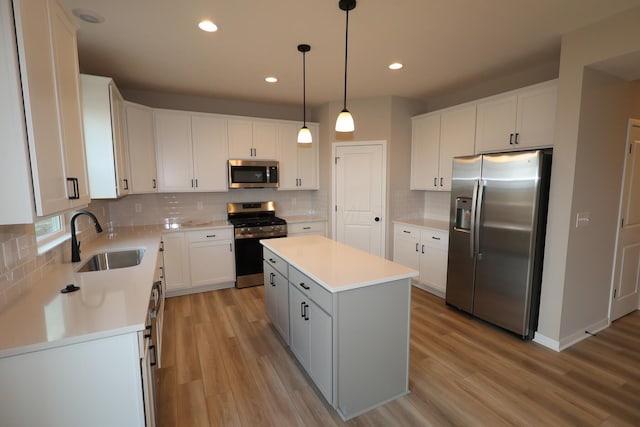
200 260
104 384
306 228
276 298
425 250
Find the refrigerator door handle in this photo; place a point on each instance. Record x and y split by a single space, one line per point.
472 225
478 208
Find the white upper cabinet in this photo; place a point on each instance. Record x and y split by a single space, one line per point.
252 139
425 149
436 139
191 151
520 119
298 163
210 152
105 136
142 151
48 64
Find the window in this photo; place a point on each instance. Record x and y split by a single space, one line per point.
50 231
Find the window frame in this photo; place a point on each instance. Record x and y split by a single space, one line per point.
49 240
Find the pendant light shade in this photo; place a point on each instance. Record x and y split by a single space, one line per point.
344 123
304 134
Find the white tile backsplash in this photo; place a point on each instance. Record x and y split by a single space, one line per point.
436 205
162 208
21 268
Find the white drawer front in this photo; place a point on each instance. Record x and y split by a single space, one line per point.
436 239
312 289
317 227
211 234
275 261
402 230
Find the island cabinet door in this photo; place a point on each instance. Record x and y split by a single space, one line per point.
299 325
276 298
321 350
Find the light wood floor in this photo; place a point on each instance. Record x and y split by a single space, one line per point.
223 365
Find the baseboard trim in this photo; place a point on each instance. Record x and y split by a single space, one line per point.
424 287
574 338
199 289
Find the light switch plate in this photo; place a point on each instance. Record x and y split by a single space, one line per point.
583 219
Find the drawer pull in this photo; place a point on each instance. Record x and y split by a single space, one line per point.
306 228
211 235
406 231
272 261
435 238
304 286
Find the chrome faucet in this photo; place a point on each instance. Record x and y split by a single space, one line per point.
75 245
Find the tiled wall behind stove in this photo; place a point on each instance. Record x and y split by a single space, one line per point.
21 268
162 208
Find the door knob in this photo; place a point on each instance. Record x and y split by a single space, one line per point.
377 219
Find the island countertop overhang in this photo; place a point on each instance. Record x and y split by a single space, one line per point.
335 266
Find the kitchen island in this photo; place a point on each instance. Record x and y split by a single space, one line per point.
345 315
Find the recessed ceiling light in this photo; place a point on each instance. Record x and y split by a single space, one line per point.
395 66
88 16
208 26
271 79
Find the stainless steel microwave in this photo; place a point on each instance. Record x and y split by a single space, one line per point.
253 173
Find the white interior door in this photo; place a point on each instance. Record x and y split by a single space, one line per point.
359 178
626 274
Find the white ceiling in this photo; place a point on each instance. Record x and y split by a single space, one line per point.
444 44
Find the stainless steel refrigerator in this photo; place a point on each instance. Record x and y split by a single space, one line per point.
496 237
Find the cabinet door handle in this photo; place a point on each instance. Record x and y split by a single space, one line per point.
304 286
74 190
422 248
162 272
306 313
510 139
271 277
196 180
517 139
211 235
302 309
435 181
154 360
126 183
230 247
417 244
153 183
192 186
441 181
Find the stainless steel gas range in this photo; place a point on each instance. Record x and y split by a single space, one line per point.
252 222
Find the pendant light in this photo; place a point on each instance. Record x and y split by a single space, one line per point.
304 135
345 119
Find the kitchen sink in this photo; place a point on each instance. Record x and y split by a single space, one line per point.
112 260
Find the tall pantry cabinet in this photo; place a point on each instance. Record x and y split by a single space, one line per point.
45 40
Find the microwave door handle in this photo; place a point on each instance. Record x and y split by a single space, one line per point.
472 226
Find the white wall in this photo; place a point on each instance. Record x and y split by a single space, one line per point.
563 310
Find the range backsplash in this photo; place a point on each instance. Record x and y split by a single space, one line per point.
163 208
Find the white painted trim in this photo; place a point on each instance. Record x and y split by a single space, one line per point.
332 210
574 338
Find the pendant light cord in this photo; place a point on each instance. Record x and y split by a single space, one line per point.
346 47
304 89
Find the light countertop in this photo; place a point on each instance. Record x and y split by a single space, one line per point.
294 219
336 266
195 225
425 223
108 303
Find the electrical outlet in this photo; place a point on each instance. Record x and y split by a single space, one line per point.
138 207
583 219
